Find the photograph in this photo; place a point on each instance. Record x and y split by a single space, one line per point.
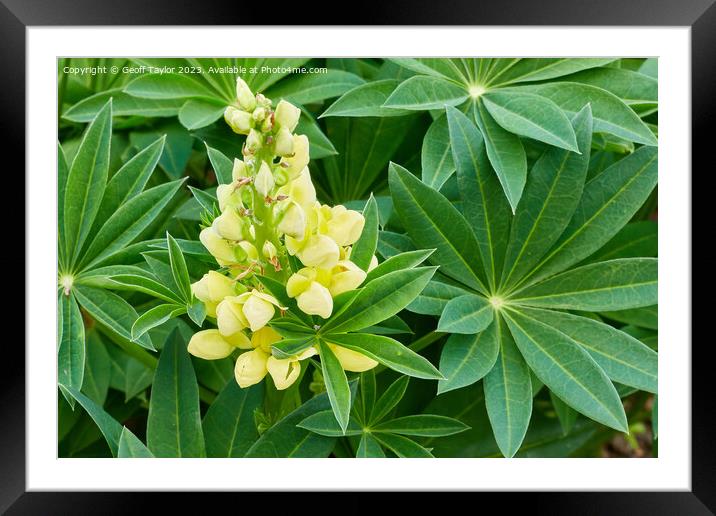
398 257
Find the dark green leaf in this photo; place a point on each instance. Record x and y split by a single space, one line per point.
422 425
467 314
336 383
364 249
131 447
423 93
229 428
467 358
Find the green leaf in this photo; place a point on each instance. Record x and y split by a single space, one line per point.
284 439
379 300
389 399
422 425
367 394
485 206
637 239
168 86
421 93
145 283
402 446
607 204
530 69
197 312
229 428
567 370
319 144
623 358
336 383
391 326
566 414
131 447
122 105
324 423
436 157
390 244
550 197
508 393
532 116
111 429
71 353
154 317
611 114
174 422
467 358
369 448
197 113
407 260
86 182
506 154
366 100
307 88
129 221
388 352
98 366
466 314
433 222
631 87
435 296
112 311
364 249
613 285
645 317
129 181
179 270
436 67
62 172
222 165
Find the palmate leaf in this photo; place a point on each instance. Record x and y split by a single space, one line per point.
420 93
468 314
154 317
510 71
436 157
402 446
324 423
168 86
466 358
366 100
401 261
98 367
436 295
122 105
198 113
389 399
369 448
130 447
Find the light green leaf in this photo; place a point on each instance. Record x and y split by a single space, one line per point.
369 448
198 113
155 317
379 300
625 359
307 88
611 114
389 399
530 69
179 270
467 358
440 67
388 352
86 182
110 310
508 393
436 157
532 116
229 427
433 222
422 425
406 260
168 86
645 317
631 87
550 197
608 203
364 249
485 207
435 296
568 370
402 446
339 393
612 285
122 105
174 422
506 154
468 314
131 447
71 353
145 283
222 165
324 423
366 100
420 93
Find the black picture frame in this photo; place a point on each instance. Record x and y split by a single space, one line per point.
700 15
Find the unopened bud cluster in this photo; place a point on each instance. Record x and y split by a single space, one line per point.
268 213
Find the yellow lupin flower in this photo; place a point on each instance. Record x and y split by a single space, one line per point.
210 345
229 225
264 181
211 289
283 143
352 360
293 220
244 96
238 120
217 246
264 338
318 251
345 276
312 296
239 170
344 226
287 115
248 310
250 367
228 196
285 371
293 165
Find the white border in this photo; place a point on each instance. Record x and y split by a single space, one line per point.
670 471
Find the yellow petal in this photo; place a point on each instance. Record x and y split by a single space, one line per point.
283 144
283 371
264 338
373 263
238 120
300 157
316 300
228 197
239 170
302 191
293 222
239 340
287 115
229 317
229 225
352 360
200 289
346 276
217 246
246 98
345 226
219 286
209 345
258 312
307 353
320 251
264 181
250 368
297 284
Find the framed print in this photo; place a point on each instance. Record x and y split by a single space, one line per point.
288 250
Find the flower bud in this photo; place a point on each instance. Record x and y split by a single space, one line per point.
296 163
259 308
246 98
259 114
239 121
287 115
320 251
352 360
346 276
264 181
230 317
269 250
228 196
229 225
239 171
250 368
253 141
283 145
344 226
263 101
211 289
316 300
249 249
209 345
217 246
264 338
283 371
302 191
293 222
